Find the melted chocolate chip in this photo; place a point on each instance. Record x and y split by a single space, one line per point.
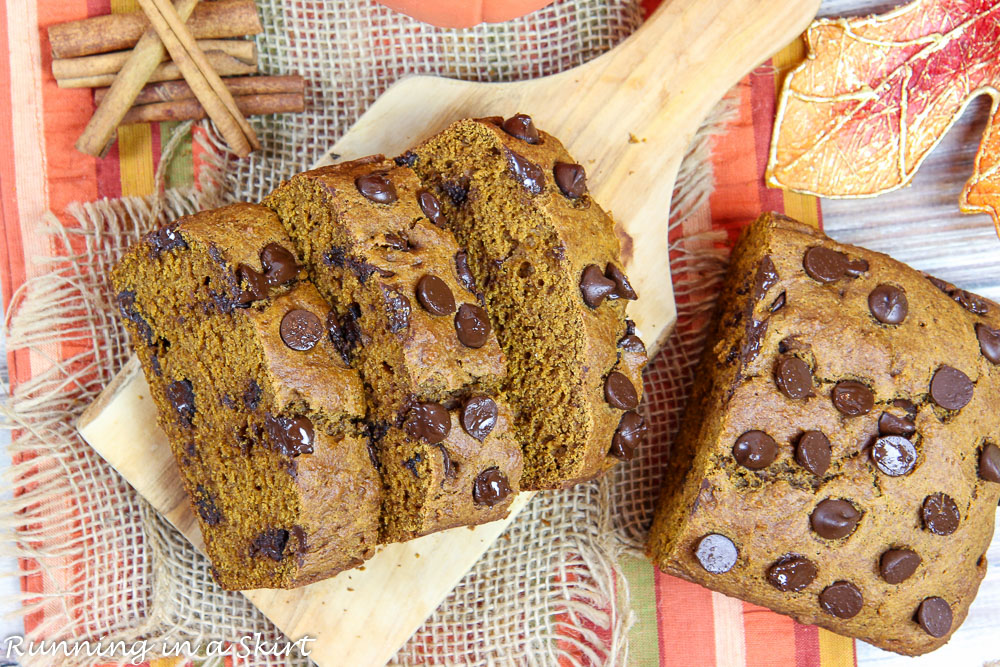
435 296
431 207
397 310
291 436
571 179
180 394
813 452
522 127
472 325
163 240
907 406
894 455
778 304
374 432
463 272
841 599
412 463
989 463
252 395
888 304
449 467
716 553
207 509
767 276
827 266
595 286
791 573
833 519
490 487
951 388
407 159
457 191
793 377
527 173
126 306
934 616
270 543
344 338
628 436
428 421
397 242
479 416
619 392
898 565
970 302
989 342
940 514
300 330
623 289
279 264
632 343
852 398
755 450
890 424
253 284
377 188
754 335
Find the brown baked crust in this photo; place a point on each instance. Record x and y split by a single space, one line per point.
271 517
766 513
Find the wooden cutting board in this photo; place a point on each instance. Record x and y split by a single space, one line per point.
628 117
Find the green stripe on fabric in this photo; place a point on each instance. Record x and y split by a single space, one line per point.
643 638
180 171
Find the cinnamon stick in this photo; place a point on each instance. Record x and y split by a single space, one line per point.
169 91
110 63
204 81
191 109
145 58
115 32
221 62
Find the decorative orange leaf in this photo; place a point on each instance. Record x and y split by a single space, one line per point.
876 94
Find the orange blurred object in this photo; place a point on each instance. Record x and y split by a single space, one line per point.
464 13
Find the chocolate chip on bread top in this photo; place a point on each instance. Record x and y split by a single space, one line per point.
838 461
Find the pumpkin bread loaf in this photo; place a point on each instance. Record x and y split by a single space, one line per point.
408 318
838 461
262 413
548 264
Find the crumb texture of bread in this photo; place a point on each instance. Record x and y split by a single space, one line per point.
262 414
838 459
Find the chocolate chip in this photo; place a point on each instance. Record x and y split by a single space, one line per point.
623 289
716 553
163 240
940 514
934 616
852 398
898 565
793 377
428 421
291 436
435 296
767 276
755 450
813 452
754 335
270 543
970 302
207 509
463 272
907 406
253 284
279 264
252 395
631 429
397 309
841 599
407 159
951 388
412 463
791 573
126 306
632 343
594 286
490 487
377 188
479 416
619 392
571 179
989 463
344 338
778 304
521 126
457 191
826 265
833 519
888 304
447 465
472 325
300 330
989 342
890 424
180 394
894 455
431 207
527 173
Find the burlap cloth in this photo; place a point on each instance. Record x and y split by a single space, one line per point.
549 589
